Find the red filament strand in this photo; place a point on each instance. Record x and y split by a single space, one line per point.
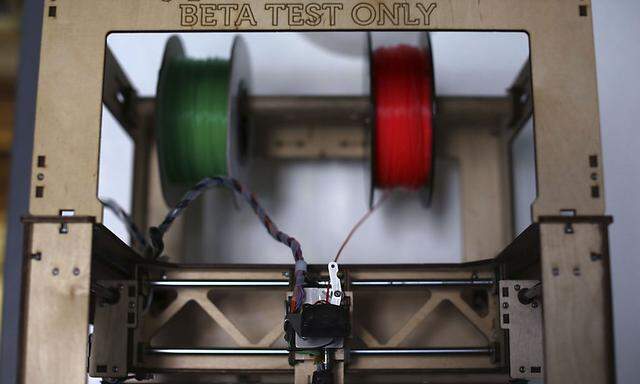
404 130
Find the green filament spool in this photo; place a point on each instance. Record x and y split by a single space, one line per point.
198 122
192 119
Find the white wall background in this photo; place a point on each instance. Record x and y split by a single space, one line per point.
617 36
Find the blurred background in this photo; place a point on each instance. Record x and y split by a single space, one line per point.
324 63
616 28
10 12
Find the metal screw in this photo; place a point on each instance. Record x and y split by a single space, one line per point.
40 176
114 369
505 305
76 271
594 176
37 256
286 274
534 305
516 287
576 271
132 305
121 287
55 271
522 369
337 293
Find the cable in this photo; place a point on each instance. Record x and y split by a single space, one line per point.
358 224
132 228
156 234
404 110
148 302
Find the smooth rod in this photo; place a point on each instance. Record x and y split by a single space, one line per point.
354 283
355 352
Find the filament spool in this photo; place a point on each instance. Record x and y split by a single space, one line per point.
402 137
200 130
189 151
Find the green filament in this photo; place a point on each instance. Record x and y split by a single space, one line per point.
192 119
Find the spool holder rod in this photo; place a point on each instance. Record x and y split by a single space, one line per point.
350 111
339 111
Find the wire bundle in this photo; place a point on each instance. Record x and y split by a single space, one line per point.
403 87
156 234
192 119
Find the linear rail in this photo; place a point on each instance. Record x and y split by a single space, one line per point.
357 283
354 352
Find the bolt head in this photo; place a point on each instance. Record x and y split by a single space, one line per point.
516 287
534 305
337 294
76 271
55 271
505 305
522 369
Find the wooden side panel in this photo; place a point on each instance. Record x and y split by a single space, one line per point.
576 307
484 179
57 304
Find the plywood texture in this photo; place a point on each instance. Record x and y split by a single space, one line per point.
485 201
563 68
577 309
57 304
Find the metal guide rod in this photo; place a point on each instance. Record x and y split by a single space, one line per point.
361 352
423 283
357 283
218 283
425 351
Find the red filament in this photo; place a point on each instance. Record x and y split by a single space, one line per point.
403 86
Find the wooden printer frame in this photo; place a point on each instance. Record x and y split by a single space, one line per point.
67 250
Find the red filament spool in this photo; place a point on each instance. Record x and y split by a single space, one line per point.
403 91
